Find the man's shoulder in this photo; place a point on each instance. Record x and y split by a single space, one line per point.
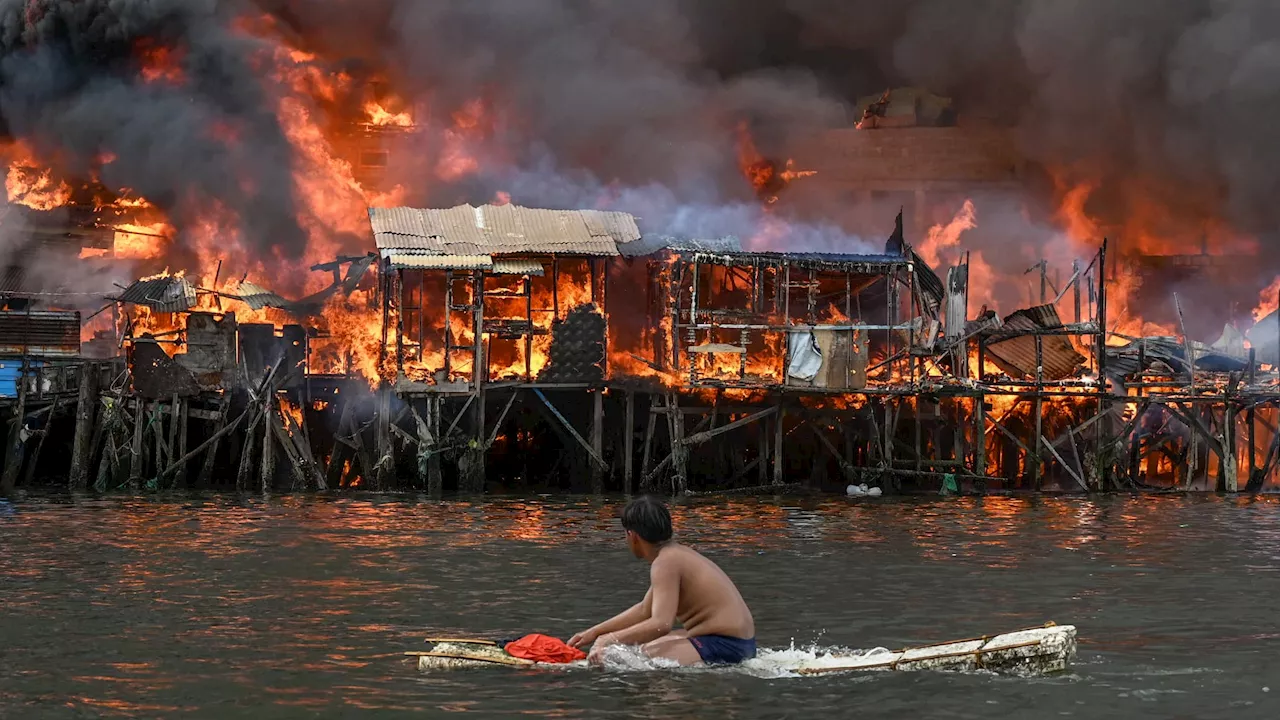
677 555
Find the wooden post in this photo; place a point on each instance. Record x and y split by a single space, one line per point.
135 449
211 455
918 450
1038 475
778 434
171 449
341 450
157 428
86 413
628 443
679 450
435 480
597 439
30 475
762 456
385 472
246 453
980 436
268 474
1229 467
180 480
13 458
1075 272
647 453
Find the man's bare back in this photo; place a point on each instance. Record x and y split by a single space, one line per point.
710 603
684 587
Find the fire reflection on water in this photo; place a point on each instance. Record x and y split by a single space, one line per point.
147 607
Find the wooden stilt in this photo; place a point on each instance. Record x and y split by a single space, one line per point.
679 450
34 460
157 432
247 448
628 443
341 450
778 444
646 456
1037 463
86 414
762 454
211 456
296 461
171 447
385 472
435 479
184 414
15 447
597 439
268 474
135 449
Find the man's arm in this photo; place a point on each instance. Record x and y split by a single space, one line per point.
632 615
664 589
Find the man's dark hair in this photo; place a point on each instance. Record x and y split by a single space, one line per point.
647 517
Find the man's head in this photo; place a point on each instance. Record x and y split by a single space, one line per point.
647 522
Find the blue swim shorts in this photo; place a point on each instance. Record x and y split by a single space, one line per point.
723 650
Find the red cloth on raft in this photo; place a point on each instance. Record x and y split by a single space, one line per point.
543 649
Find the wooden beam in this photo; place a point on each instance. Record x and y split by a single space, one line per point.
585 445
502 417
1070 470
702 437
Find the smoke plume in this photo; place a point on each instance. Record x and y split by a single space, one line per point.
1155 103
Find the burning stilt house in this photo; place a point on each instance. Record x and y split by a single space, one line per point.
478 295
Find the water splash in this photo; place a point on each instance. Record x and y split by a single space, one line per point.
768 663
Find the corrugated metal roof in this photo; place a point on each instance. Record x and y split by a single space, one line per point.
40 333
258 297
1017 355
517 266
650 244
440 262
163 294
469 230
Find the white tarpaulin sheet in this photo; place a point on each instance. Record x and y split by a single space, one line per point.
806 359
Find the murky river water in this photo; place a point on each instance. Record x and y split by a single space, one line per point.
228 607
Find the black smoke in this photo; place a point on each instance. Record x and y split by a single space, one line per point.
71 86
1170 100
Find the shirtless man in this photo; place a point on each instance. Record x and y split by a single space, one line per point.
684 586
